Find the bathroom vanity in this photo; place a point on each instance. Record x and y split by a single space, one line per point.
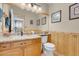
27 45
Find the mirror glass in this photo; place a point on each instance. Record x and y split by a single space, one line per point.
22 18
26 20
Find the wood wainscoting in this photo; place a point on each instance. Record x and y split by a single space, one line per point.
67 44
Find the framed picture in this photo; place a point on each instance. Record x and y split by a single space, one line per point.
56 17
31 21
38 22
43 21
74 11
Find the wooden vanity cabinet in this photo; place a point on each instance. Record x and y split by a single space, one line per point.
31 47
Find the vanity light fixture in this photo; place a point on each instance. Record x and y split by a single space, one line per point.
32 7
39 9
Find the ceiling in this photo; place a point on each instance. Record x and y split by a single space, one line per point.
18 6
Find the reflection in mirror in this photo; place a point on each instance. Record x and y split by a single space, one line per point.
18 24
7 23
7 17
1 14
22 17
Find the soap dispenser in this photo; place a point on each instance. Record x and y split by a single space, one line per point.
21 33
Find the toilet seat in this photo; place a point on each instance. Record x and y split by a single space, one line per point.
49 46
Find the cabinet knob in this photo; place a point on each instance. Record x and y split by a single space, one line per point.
21 44
24 43
4 46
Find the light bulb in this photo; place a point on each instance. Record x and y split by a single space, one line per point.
35 7
29 5
39 8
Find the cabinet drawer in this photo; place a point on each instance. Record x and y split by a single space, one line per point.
17 44
4 46
36 41
28 42
12 52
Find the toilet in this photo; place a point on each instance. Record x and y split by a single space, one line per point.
48 48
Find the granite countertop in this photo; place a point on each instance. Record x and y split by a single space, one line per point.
17 37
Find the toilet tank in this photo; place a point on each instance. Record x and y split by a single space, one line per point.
44 38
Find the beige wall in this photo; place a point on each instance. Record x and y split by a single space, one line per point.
44 27
65 25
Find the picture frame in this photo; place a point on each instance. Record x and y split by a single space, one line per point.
43 20
38 22
56 17
74 11
31 22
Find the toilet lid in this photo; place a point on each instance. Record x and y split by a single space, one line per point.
49 45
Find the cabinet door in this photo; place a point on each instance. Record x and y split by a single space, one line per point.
28 50
32 50
37 49
12 52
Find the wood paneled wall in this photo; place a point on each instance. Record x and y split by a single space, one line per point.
66 43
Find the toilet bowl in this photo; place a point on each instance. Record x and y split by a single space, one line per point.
48 48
